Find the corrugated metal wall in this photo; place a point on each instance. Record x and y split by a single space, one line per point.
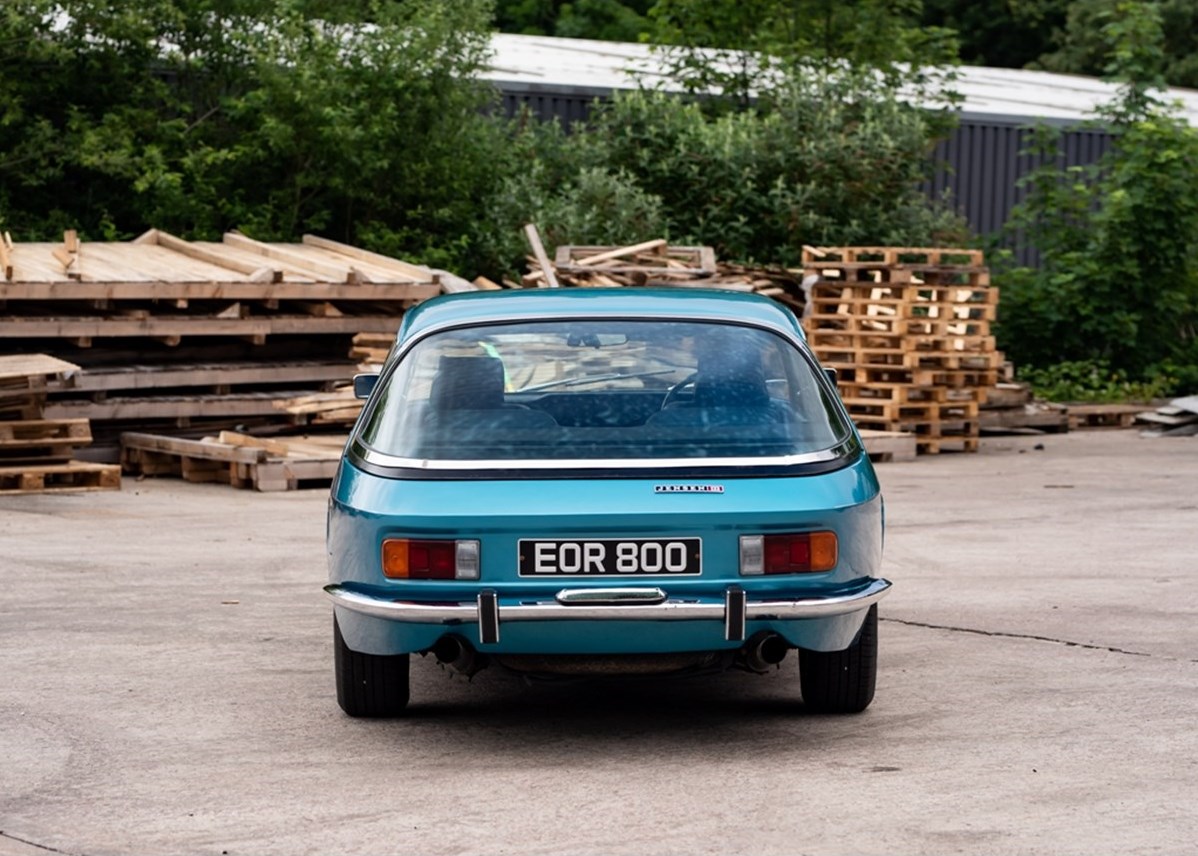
980 165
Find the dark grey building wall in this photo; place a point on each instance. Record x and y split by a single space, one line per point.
979 165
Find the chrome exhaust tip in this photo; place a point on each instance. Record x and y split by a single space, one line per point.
458 654
763 652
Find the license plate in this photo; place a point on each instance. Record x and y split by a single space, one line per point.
611 557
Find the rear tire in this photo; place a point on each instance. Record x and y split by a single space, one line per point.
842 681
369 685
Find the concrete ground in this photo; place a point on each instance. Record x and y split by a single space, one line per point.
166 674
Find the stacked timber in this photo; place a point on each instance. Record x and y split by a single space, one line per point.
192 337
1010 408
37 454
656 264
908 331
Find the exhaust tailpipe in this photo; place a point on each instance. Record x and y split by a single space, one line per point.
458 654
763 652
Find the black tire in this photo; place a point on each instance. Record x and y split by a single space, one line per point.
369 685
842 681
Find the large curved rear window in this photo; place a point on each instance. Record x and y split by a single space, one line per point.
585 390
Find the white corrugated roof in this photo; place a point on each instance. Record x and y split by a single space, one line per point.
999 92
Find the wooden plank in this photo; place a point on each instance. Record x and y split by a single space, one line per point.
538 250
620 252
889 445
203 254
386 293
77 327
453 284
202 375
416 273
175 407
34 365
6 267
273 447
205 449
300 264
286 475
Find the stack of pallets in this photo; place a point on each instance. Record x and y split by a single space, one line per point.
191 337
37 454
908 331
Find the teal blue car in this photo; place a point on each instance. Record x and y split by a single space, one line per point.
599 482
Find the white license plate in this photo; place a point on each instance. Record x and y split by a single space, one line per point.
611 557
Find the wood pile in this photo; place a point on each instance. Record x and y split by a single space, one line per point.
1010 408
37 454
657 264
192 337
908 331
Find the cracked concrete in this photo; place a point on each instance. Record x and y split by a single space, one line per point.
1034 638
167 687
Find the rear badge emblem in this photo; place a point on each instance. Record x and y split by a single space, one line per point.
688 488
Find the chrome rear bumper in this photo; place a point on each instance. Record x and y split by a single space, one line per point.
489 614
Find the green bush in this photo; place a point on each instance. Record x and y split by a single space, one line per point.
1117 284
1091 381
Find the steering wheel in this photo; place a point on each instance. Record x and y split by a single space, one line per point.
677 389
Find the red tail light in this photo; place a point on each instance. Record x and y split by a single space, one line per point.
796 553
411 559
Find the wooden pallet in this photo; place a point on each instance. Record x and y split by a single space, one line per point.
1095 416
235 459
939 256
70 477
42 440
889 446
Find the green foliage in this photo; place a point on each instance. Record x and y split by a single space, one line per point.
365 122
885 35
1083 46
1092 381
999 33
198 116
831 160
1117 283
612 20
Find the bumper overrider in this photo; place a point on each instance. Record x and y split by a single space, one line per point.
609 604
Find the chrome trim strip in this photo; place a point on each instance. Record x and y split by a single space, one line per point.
595 596
371 456
675 609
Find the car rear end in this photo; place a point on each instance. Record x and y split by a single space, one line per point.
597 485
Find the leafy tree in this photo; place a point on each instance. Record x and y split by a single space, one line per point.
1083 45
832 160
999 33
1118 283
612 20
731 46
202 115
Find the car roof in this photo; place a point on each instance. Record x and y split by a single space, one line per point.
482 307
